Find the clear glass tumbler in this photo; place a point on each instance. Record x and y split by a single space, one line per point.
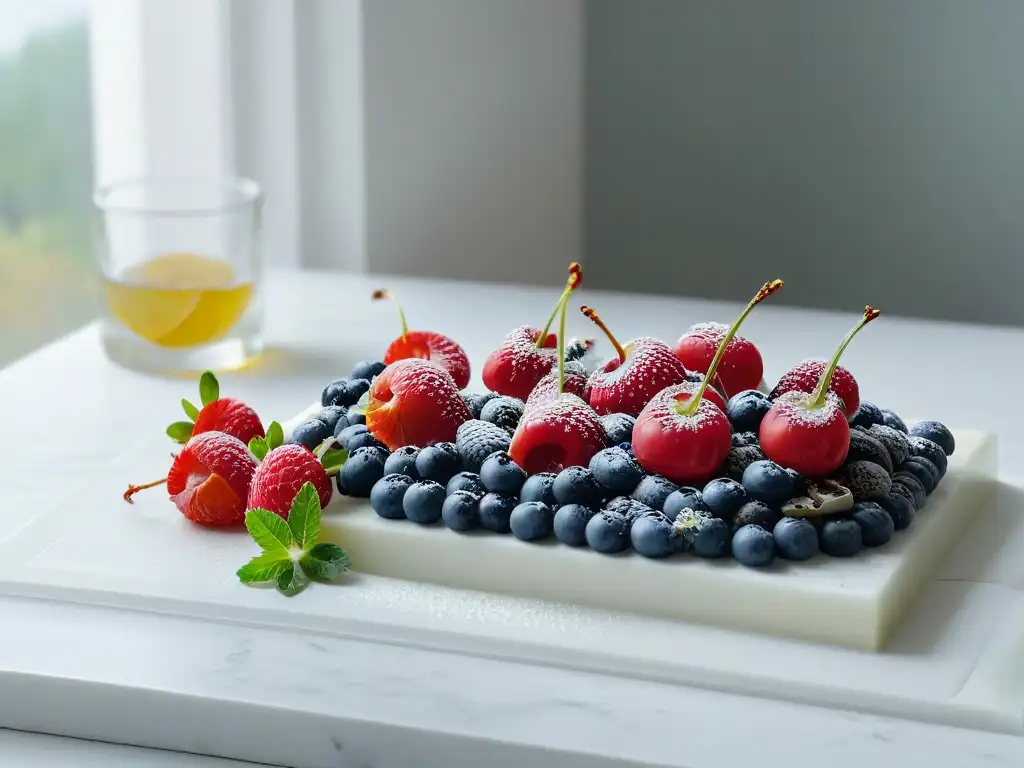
182 271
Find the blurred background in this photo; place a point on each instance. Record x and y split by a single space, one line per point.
866 151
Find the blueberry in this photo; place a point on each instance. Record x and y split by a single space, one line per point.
503 411
795 539
363 468
938 433
387 494
538 488
477 400
608 532
907 484
724 497
712 538
332 415
571 524
353 417
344 392
840 537
900 509
746 409
577 485
364 439
768 482
895 442
799 482
345 434
753 546
311 433
876 527
739 458
628 507
653 490
461 511
866 447
502 475
743 438
865 479
926 472
475 440
367 369
531 521
928 449
616 471
438 462
683 498
495 511
756 513
867 414
618 428
466 481
653 535
423 502
403 462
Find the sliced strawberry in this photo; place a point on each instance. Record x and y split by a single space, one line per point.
209 479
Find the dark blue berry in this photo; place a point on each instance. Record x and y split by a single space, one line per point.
900 509
344 435
739 458
577 485
438 462
423 502
926 472
364 440
892 419
768 482
653 535
502 475
531 521
475 440
753 547
503 411
683 498
876 527
618 428
724 497
628 507
799 482
896 443
367 369
363 468
333 414
344 392
571 524
929 449
608 532
311 433
538 488
495 511
476 401
653 490
403 462
840 537
712 538
466 481
743 438
756 513
745 410
866 415
461 511
795 539
938 433
387 494
866 447
353 417
616 471
907 484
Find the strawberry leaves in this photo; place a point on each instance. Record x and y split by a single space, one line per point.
261 446
209 390
292 555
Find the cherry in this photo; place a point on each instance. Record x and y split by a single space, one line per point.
804 377
426 345
741 367
626 383
810 432
682 434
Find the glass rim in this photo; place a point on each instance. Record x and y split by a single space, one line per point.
248 193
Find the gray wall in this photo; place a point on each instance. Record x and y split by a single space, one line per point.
865 152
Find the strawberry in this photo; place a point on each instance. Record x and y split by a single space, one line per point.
218 414
282 473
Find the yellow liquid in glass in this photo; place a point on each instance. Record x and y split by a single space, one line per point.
178 299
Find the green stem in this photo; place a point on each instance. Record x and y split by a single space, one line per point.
385 294
561 340
554 314
820 392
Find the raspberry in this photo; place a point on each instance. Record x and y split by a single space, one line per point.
282 473
210 479
477 439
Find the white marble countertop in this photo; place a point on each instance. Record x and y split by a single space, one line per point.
68 414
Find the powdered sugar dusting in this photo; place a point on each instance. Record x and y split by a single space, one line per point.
566 425
518 365
794 406
626 387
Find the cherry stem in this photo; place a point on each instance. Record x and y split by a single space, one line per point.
767 290
575 277
596 320
133 489
820 392
385 294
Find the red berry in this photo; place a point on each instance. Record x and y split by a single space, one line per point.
415 402
804 377
741 367
517 366
547 388
233 417
281 474
686 448
210 477
559 433
813 441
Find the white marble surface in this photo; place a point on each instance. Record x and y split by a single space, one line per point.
336 701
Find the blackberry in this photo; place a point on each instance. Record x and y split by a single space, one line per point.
739 458
504 412
743 438
928 449
866 447
477 400
476 440
895 442
865 479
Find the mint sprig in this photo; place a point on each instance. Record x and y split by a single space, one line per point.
261 446
292 555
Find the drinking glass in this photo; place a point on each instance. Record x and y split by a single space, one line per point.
182 272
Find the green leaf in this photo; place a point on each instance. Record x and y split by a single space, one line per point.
180 431
275 435
270 531
325 562
190 410
209 388
362 404
304 516
259 448
334 459
292 581
263 568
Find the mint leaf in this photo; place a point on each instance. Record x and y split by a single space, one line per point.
190 410
270 531
334 459
258 447
304 516
362 404
265 567
292 581
209 388
275 435
325 562
180 431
